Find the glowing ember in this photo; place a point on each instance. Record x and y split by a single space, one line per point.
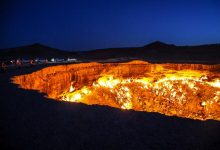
170 89
184 93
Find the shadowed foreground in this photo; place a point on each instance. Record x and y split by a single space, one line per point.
31 121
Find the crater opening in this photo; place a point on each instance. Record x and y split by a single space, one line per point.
183 90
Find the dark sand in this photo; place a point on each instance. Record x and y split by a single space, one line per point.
31 121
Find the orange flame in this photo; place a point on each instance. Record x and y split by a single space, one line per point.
185 93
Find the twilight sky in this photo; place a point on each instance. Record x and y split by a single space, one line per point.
93 24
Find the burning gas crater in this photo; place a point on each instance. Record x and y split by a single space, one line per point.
170 89
183 93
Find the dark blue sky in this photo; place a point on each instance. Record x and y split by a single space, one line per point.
93 24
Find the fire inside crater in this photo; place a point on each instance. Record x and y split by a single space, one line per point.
184 90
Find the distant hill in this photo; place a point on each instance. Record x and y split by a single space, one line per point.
159 51
34 51
154 52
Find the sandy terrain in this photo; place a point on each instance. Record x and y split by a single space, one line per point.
31 121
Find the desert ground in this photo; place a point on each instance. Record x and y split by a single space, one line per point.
29 120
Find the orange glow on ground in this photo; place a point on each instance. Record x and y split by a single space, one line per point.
184 93
191 93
